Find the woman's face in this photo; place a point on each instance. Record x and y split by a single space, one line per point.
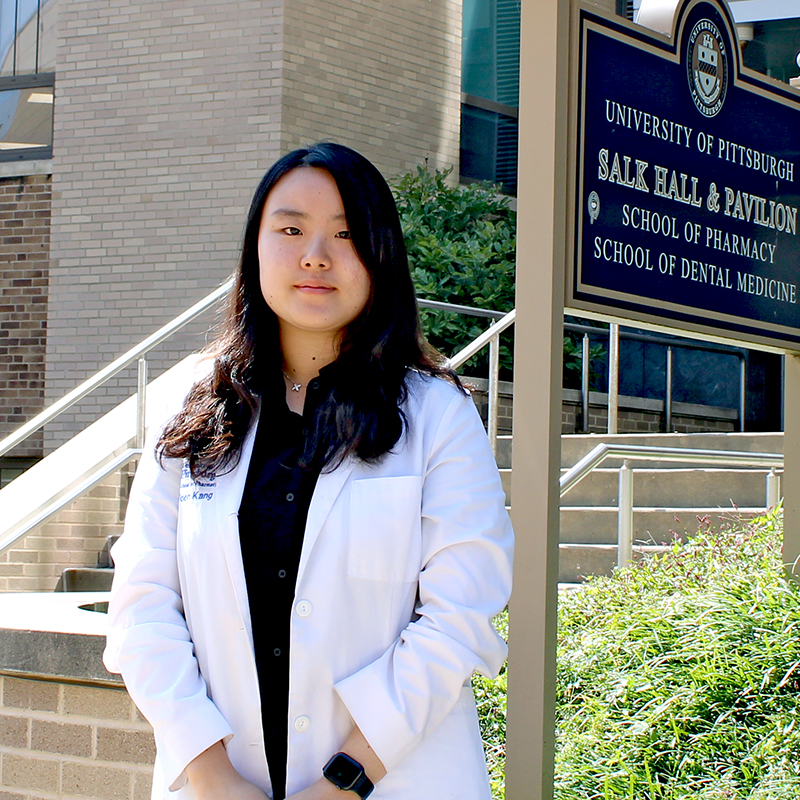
310 273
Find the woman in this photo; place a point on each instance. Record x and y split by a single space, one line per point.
316 543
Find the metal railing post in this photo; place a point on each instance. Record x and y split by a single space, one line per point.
742 391
494 390
141 401
773 489
585 382
668 394
625 521
613 377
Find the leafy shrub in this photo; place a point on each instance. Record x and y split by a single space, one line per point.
679 677
461 244
573 361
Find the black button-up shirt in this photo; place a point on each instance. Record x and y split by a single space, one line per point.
272 521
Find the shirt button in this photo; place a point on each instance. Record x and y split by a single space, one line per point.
304 431
314 385
303 608
276 651
281 573
302 723
290 497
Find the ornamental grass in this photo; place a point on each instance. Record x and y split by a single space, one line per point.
678 677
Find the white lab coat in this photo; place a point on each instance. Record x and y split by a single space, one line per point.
403 566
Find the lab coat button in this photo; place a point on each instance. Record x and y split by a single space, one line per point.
303 608
302 723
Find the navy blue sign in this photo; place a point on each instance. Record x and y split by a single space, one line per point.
688 181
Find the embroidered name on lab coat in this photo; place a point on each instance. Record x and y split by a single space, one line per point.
201 489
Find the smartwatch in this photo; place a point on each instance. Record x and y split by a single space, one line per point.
347 774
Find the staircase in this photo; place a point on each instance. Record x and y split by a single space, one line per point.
670 499
56 516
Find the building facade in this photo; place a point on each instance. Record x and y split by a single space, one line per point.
127 206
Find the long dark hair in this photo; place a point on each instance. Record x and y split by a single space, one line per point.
362 413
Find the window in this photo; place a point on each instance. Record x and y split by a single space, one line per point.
490 91
771 47
27 80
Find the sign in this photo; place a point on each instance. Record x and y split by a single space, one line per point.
686 171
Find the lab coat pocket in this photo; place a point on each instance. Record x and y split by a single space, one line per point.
385 529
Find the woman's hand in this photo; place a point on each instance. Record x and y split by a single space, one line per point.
356 747
323 789
213 777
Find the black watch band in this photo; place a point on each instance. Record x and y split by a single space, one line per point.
348 775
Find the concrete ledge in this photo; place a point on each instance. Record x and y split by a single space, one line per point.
654 406
22 168
505 388
49 636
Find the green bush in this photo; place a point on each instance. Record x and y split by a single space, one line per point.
679 677
461 243
490 699
461 249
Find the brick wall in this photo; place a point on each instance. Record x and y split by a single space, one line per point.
383 76
61 740
72 538
636 415
166 116
24 268
647 416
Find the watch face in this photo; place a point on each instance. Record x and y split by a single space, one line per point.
343 770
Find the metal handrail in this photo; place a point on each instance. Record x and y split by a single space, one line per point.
100 377
730 458
477 344
490 336
137 353
10 536
469 311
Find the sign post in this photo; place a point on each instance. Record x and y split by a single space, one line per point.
538 337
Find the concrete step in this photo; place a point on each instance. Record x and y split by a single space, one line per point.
652 526
576 446
576 562
671 498
689 488
504 451
85 579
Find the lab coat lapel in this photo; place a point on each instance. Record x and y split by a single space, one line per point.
329 486
229 497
